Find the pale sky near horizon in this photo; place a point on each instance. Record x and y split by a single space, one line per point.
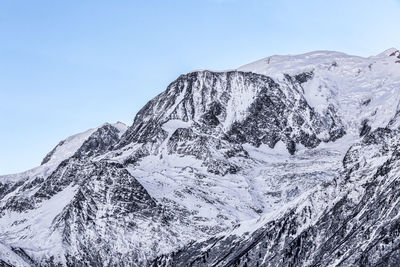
67 66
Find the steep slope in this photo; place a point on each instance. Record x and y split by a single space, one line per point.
258 150
64 150
30 201
10 257
238 107
357 226
361 90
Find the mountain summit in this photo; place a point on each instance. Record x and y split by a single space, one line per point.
286 161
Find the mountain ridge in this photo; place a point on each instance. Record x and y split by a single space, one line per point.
216 150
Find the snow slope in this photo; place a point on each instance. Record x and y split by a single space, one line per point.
360 88
64 150
217 156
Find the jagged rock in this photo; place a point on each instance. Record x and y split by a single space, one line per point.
359 228
287 161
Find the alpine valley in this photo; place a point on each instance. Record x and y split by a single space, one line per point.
287 161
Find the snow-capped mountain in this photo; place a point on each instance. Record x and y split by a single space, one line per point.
287 161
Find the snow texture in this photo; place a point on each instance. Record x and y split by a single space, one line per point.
287 161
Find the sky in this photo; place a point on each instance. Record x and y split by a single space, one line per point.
67 66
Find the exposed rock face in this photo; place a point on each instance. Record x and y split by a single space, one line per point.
109 200
241 107
51 153
358 228
289 161
275 116
101 141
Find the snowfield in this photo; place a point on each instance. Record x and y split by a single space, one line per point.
265 165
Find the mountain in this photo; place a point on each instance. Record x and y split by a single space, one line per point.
350 221
287 161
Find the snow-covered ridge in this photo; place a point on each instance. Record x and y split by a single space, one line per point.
210 154
64 150
67 147
70 145
278 64
360 88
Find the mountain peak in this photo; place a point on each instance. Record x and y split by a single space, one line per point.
388 52
264 152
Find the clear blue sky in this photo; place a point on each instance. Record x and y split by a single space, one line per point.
66 66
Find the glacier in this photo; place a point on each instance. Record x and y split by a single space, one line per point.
286 161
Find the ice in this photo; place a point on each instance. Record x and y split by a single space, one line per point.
268 182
